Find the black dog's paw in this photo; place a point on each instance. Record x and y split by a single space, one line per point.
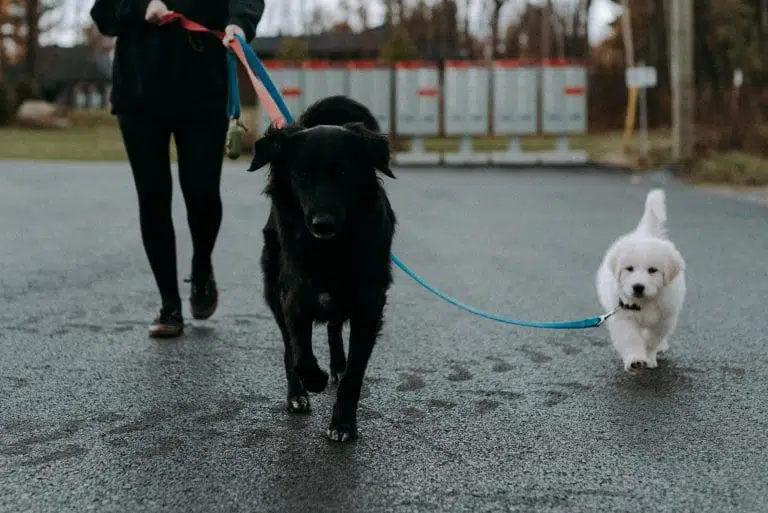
343 427
313 378
341 433
298 404
336 377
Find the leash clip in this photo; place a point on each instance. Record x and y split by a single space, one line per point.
235 133
607 316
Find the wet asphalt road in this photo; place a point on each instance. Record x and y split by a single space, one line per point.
458 413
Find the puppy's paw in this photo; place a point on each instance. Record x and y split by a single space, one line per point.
663 349
313 378
635 365
341 433
298 404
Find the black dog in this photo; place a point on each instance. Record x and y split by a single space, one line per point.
326 256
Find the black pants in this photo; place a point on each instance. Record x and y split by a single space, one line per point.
200 149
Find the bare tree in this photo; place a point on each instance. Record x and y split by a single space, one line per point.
496 7
35 12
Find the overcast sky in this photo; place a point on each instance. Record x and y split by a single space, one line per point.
278 12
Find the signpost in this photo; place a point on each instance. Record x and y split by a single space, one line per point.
642 77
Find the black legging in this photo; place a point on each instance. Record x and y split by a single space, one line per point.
200 148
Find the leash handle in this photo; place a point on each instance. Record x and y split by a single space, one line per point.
278 112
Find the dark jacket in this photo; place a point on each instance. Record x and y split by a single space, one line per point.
166 70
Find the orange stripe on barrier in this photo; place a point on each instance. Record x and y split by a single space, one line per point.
291 91
428 92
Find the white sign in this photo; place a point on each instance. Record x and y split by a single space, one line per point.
369 84
515 98
641 77
738 78
418 98
466 98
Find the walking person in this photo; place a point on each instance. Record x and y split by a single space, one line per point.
168 81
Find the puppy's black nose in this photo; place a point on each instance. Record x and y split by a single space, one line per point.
638 289
323 226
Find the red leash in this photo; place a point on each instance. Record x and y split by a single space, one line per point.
264 98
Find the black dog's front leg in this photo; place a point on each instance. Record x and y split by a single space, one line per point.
336 346
365 325
299 324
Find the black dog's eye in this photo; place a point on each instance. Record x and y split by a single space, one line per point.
630 268
652 270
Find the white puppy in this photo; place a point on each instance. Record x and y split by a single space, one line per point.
644 274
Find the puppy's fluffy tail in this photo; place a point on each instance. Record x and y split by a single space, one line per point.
654 220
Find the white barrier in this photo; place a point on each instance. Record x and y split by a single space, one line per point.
369 83
518 108
287 77
466 108
417 107
564 109
515 108
322 79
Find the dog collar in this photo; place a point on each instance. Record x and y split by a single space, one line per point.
625 306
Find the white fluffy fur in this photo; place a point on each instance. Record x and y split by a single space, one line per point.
644 257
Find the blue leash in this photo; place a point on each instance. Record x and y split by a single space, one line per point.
263 76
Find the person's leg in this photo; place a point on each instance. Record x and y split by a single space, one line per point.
200 145
147 143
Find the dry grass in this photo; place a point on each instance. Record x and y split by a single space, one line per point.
95 136
732 168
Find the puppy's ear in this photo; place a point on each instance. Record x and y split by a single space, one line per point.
270 145
612 259
376 146
674 265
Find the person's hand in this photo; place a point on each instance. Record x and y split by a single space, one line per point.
156 10
229 34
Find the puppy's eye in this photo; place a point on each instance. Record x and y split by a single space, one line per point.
630 268
652 270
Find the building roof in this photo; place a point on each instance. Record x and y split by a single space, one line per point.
330 43
57 64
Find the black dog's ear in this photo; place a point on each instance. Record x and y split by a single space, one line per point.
270 145
376 146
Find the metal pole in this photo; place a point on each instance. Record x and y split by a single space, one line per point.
681 59
643 121
629 62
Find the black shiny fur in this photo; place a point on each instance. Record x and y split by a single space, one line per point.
324 177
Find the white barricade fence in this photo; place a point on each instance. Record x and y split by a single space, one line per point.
287 77
515 89
515 107
417 107
369 83
322 79
466 107
564 108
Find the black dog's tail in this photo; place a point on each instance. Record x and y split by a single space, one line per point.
338 110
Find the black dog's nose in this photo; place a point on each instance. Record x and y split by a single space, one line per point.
638 289
323 226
